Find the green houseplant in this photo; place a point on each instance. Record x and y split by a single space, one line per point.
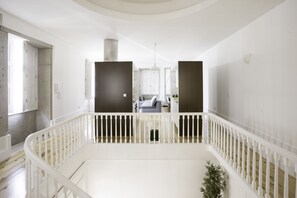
213 181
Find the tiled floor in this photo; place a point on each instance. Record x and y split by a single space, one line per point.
12 174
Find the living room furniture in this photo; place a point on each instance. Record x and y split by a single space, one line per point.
153 105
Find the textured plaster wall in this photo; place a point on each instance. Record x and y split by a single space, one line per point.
44 114
3 84
21 125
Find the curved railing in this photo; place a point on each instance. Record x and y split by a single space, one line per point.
46 151
252 157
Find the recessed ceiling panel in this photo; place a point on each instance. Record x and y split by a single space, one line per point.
141 7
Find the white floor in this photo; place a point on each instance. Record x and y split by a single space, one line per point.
141 178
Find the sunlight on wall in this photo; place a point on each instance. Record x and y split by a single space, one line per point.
15 81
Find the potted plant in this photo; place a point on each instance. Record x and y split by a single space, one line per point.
213 182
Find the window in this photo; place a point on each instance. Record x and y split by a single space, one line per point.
150 81
22 76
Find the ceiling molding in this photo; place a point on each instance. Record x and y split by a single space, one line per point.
130 10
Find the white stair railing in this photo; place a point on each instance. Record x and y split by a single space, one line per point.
236 147
49 149
46 151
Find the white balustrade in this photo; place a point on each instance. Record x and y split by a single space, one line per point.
49 149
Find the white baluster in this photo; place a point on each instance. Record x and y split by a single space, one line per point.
216 135
198 120
115 129
260 189
130 129
295 180
45 147
168 139
121 120
106 128
224 142
193 131
110 129
254 165
248 160
183 121
173 131
238 152
52 148
126 130
101 132
154 132
286 178
276 162
234 152
97 130
221 138
267 173
231 144
243 158
203 128
188 129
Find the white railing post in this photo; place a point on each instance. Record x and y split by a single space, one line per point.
254 165
198 128
230 149
193 131
234 148
221 139
238 152
243 158
183 121
295 167
248 165
286 178
260 189
267 173
224 142
276 162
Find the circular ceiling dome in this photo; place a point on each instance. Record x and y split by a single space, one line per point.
143 7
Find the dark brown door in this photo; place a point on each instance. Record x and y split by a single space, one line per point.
190 95
113 87
113 93
190 86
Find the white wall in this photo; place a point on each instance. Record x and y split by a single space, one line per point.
68 68
260 95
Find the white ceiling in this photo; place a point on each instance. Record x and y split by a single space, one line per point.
182 34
